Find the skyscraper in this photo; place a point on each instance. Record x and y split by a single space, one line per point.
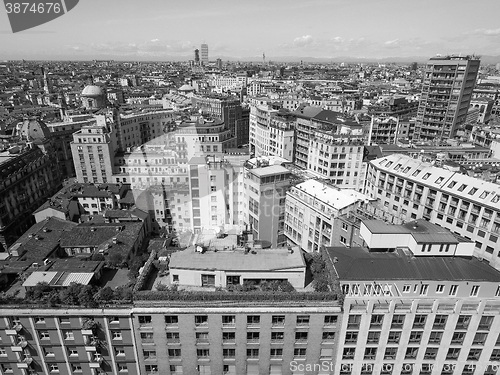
446 94
197 56
204 53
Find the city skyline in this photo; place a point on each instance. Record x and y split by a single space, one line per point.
315 29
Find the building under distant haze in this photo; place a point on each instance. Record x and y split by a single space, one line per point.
446 95
204 53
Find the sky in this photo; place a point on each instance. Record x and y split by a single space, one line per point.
170 30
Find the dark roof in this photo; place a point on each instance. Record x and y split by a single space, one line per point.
358 264
38 242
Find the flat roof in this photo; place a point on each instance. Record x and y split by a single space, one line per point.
237 260
335 197
358 264
270 170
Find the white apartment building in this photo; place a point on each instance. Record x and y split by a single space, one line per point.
338 159
411 189
311 210
272 133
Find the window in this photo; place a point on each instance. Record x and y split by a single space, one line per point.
229 353
474 291
173 337
171 319
485 323
415 337
228 336
328 336
440 288
253 353
278 320
151 369
463 322
53 368
411 353
351 337
458 338
440 322
479 338
453 353
39 320
122 368
390 353
277 336
119 351
117 335
276 352
394 337
348 353
453 290
64 320
72 352
370 353
144 319
330 320
228 320
252 336
376 321
253 320
201 320
462 187
419 321
495 355
435 337
373 337
430 353
44 335
300 336
149 354
353 321
202 337
397 321
299 352
474 354
174 352
147 336
302 320
406 288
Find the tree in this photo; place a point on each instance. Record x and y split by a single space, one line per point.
69 295
39 291
105 294
86 296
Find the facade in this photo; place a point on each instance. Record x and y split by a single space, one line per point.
272 132
93 149
446 95
57 341
337 158
93 97
226 108
216 192
266 187
409 314
312 212
412 189
204 54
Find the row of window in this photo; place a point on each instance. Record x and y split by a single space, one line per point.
412 352
231 319
420 320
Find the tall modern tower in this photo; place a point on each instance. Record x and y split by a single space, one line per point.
446 95
197 56
204 54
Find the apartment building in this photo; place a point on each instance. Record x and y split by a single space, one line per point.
216 192
266 185
272 132
93 149
68 341
410 314
446 95
337 158
411 189
27 178
312 212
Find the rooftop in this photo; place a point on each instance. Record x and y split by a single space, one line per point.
335 197
269 171
358 264
238 260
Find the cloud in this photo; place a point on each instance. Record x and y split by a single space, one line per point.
155 40
488 32
303 41
392 43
